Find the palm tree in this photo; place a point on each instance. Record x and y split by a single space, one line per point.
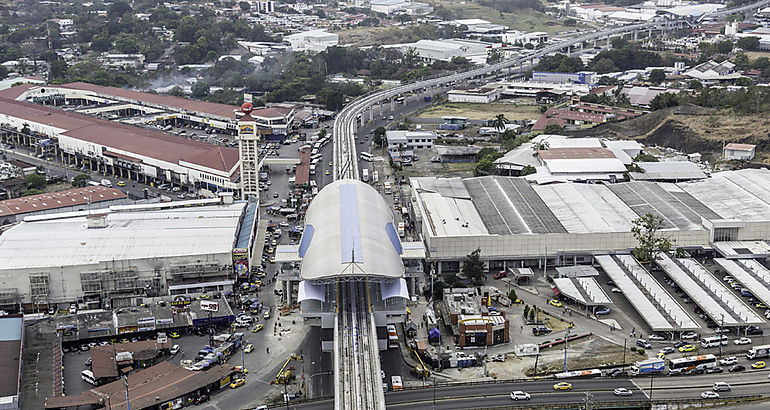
500 122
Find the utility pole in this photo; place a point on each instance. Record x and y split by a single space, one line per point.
434 392
721 335
125 384
566 337
623 365
534 371
652 377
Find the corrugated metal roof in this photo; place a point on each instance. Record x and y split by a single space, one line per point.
70 197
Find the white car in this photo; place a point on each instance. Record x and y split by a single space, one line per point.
742 341
175 349
689 335
709 395
519 395
622 391
616 290
655 337
728 361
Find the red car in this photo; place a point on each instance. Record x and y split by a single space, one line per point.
501 274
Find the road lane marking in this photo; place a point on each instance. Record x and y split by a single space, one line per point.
640 389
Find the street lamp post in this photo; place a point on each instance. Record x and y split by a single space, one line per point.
721 327
623 365
652 377
566 338
125 384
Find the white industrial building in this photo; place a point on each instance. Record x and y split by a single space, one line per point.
115 257
581 77
445 50
409 139
482 95
515 222
516 36
313 40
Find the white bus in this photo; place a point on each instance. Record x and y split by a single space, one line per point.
714 341
312 169
365 175
315 161
316 156
401 229
387 187
365 156
685 364
375 177
314 151
88 377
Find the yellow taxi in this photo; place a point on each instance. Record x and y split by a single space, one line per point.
237 383
249 348
121 183
554 302
331 164
241 370
256 328
687 348
174 335
662 356
327 172
562 386
257 283
758 365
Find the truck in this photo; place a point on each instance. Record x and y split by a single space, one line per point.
648 366
392 337
757 352
395 381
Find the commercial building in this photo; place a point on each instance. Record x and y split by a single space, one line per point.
711 70
114 257
515 223
313 40
11 344
741 152
124 151
410 139
75 199
165 385
482 95
581 77
447 49
471 324
112 361
518 37
579 164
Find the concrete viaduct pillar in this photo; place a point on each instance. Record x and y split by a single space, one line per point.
636 35
371 113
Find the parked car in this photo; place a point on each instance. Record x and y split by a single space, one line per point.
602 310
657 338
689 335
174 349
742 341
643 343
541 330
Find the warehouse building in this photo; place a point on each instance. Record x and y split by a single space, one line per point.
120 150
76 199
519 224
11 345
115 257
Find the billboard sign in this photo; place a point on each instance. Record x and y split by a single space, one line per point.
209 306
241 262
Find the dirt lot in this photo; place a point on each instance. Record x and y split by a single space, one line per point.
481 111
693 129
524 19
367 36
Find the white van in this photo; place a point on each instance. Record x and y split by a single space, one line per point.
88 377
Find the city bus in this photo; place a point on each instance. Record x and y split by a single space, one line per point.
375 177
714 341
365 156
387 187
365 175
312 169
685 364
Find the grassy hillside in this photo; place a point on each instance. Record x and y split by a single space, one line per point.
525 19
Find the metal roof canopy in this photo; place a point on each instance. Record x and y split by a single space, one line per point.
576 271
719 302
585 291
661 312
751 274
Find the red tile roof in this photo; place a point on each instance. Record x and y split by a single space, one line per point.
133 141
170 101
70 197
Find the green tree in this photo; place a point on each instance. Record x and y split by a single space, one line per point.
57 69
127 44
645 230
555 129
379 136
32 192
321 133
748 43
657 75
532 314
35 181
645 157
724 47
526 311
101 43
118 9
570 22
333 99
499 122
694 84
200 89
604 65
438 290
244 6
473 267
663 100
527 170
743 81
494 55
512 295
80 180
484 152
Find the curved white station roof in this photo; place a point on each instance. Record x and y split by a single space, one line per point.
349 232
